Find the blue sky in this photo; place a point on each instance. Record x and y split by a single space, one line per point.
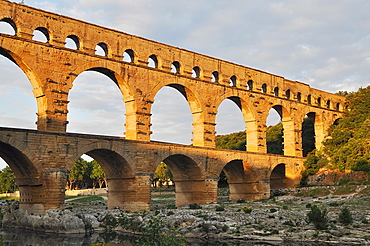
325 44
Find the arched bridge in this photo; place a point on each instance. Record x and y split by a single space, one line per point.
140 68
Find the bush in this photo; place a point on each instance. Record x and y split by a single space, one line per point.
220 208
318 218
195 206
247 209
273 210
345 216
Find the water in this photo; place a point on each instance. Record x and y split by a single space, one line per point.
17 237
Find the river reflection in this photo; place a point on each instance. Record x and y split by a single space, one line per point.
17 237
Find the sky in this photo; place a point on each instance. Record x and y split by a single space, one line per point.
325 44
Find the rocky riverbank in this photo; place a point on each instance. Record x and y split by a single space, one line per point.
277 220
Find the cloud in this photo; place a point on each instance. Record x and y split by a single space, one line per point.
322 43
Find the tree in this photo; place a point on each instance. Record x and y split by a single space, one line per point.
79 174
7 180
348 145
274 139
97 175
162 175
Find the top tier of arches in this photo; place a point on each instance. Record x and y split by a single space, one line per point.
57 30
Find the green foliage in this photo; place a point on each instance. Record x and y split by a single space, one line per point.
154 234
87 199
308 136
234 141
315 160
195 206
318 192
318 217
247 209
220 208
162 174
85 174
7 183
345 216
97 174
274 139
348 146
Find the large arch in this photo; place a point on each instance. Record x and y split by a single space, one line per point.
289 132
250 120
243 181
124 88
189 180
278 179
28 174
119 172
196 109
38 93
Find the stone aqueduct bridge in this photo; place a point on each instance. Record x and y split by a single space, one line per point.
41 159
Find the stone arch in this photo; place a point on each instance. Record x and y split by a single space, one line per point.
233 81
154 61
104 47
195 104
176 67
249 116
128 96
278 179
45 32
120 173
250 85
129 56
264 88
36 84
215 77
75 40
241 179
28 172
188 178
196 72
11 23
289 133
110 72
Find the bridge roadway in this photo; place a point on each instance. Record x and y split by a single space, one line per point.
41 162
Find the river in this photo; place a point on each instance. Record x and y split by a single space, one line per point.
17 237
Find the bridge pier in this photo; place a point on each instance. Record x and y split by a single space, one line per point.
196 191
36 197
250 191
130 194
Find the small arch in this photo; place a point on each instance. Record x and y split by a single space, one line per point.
153 61
328 104
276 91
7 26
337 106
101 49
233 81
196 72
278 179
250 85
175 67
309 99
264 88
215 77
72 42
41 34
299 97
319 101
287 94
128 55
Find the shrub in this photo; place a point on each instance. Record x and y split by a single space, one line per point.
318 218
247 209
220 208
345 216
195 206
273 210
